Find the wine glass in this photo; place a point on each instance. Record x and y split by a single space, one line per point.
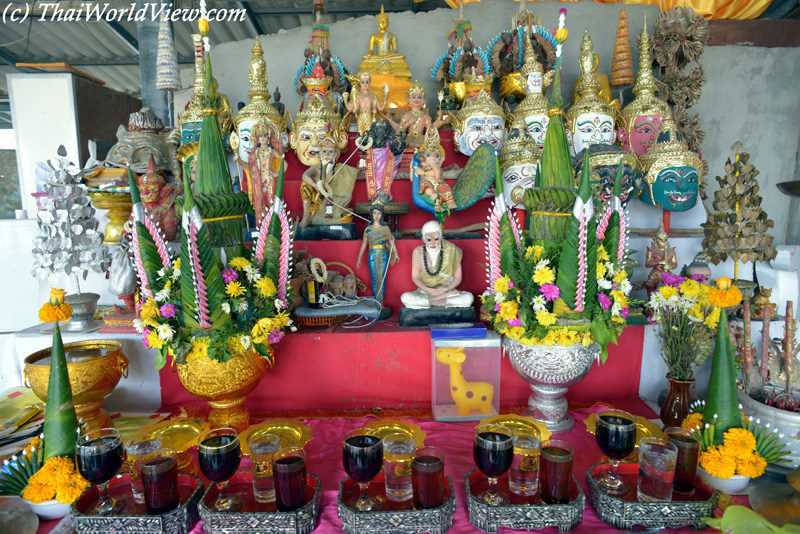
362 455
493 451
99 457
219 453
616 436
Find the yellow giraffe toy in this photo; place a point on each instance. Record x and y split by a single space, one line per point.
468 396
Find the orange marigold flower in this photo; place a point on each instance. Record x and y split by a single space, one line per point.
740 442
725 298
752 466
717 464
50 313
694 421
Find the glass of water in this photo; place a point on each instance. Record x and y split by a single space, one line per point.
262 447
398 452
523 479
135 448
657 459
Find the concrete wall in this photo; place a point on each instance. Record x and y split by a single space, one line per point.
749 95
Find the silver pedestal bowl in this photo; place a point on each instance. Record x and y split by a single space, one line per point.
551 371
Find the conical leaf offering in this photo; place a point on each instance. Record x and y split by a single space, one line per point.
60 420
722 399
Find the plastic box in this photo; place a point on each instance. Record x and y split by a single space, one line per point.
466 377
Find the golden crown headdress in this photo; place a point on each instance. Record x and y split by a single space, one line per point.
317 78
588 99
318 108
645 102
259 107
519 147
533 103
416 88
474 81
669 150
483 105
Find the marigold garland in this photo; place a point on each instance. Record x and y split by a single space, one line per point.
725 295
57 479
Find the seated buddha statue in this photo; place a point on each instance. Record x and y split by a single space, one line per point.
382 57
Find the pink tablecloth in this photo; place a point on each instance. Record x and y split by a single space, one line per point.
324 459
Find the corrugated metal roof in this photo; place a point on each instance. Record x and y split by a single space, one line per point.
98 48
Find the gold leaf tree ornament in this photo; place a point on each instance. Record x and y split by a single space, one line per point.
738 226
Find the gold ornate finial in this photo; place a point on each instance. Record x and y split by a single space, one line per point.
534 103
519 147
588 99
644 78
482 105
382 14
416 89
669 150
194 111
532 63
661 232
259 106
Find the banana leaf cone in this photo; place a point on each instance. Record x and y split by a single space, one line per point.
722 399
60 420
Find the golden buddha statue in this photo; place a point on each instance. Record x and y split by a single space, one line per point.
382 57
605 88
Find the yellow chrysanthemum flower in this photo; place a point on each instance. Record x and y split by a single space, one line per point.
508 310
199 349
153 341
694 421
234 289
668 291
713 319
266 287
549 340
544 275
621 276
176 265
601 270
538 252
752 465
690 289
602 255
740 442
546 318
239 263
587 339
502 284
619 297
717 464
149 310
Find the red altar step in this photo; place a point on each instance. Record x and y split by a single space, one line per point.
388 367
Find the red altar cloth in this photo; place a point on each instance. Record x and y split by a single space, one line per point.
389 367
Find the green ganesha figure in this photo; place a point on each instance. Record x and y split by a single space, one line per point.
672 172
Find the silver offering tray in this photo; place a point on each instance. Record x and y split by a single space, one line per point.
394 518
258 518
524 513
625 511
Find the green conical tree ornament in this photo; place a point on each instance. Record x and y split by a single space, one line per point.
60 420
722 400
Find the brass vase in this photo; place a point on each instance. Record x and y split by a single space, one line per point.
223 385
678 401
119 207
94 367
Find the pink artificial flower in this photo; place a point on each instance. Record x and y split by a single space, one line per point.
550 292
229 275
497 308
275 336
672 279
511 285
624 312
699 278
562 11
168 311
145 333
605 302
514 322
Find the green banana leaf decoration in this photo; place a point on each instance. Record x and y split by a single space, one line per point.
722 400
60 420
577 279
272 245
609 230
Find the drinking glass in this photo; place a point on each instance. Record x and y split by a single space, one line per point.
427 477
159 471
615 434
398 451
656 469
289 470
99 457
493 451
262 447
219 454
688 457
556 465
523 479
362 455
136 448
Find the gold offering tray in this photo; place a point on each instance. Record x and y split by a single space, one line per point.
519 421
292 433
401 426
180 434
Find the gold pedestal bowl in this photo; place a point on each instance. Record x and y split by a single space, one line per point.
119 207
223 385
94 367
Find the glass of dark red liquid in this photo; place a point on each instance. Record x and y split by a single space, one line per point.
289 473
493 450
427 477
159 471
99 457
362 455
219 454
615 434
688 445
555 468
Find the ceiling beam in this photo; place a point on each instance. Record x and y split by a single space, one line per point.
124 35
250 19
9 58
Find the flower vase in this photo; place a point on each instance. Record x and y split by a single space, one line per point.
550 371
678 401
